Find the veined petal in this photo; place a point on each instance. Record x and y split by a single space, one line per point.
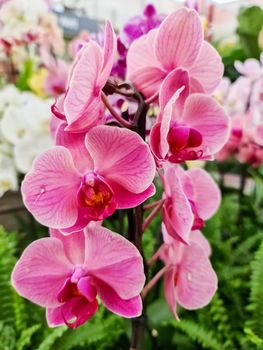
75 142
179 39
177 209
148 80
50 188
197 281
204 114
41 271
126 199
206 194
114 260
208 69
73 245
83 81
126 308
198 238
174 81
109 51
141 54
129 162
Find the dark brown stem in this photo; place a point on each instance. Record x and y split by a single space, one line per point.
119 119
135 222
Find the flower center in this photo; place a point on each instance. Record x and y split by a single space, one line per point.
96 196
182 140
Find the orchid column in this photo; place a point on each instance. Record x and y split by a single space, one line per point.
102 163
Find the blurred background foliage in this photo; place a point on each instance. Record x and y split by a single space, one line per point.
249 27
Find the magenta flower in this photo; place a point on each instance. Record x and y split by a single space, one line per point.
89 73
190 197
191 281
177 43
140 25
65 274
69 187
188 127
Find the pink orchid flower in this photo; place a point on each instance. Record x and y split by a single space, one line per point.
250 68
56 79
188 127
191 281
72 185
177 43
89 73
65 274
190 197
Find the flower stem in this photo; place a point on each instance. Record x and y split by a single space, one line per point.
152 98
151 205
154 280
119 119
135 220
151 216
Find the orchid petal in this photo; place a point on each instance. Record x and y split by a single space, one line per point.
126 308
130 163
208 69
179 39
50 188
114 260
41 271
197 281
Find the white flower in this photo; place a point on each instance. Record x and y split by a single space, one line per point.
30 118
24 130
9 95
27 149
8 175
18 17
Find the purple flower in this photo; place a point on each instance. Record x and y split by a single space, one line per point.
132 30
140 25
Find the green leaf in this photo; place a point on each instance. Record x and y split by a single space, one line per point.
256 299
199 334
26 73
25 337
250 23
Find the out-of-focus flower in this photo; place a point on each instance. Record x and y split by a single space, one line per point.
243 100
24 126
19 19
140 25
8 175
56 79
37 81
77 43
260 39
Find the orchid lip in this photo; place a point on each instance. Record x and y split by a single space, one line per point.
183 141
96 197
